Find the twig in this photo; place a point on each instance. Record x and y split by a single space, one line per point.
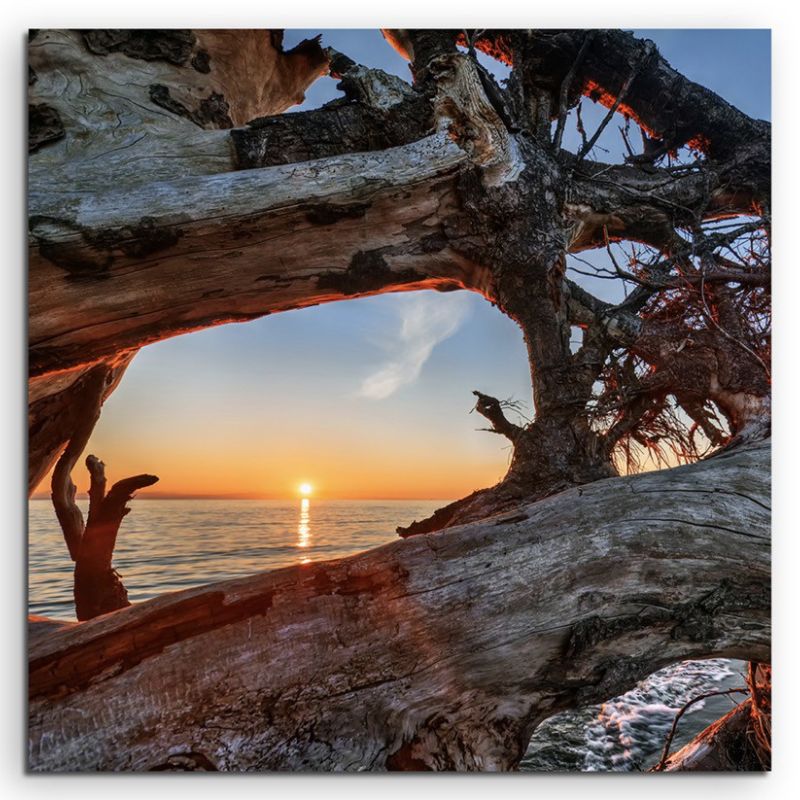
566 84
624 132
719 327
686 707
624 274
613 110
492 408
580 126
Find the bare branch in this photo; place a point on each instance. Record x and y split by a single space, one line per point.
492 408
665 753
63 490
621 95
722 330
98 587
566 86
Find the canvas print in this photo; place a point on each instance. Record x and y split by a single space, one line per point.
479 480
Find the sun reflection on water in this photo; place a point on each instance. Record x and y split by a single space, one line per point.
304 528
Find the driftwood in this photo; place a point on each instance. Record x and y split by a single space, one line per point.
440 652
168 194
98 588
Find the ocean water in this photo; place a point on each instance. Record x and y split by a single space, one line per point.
167 545
627 733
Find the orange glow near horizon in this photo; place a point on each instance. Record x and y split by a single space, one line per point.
285 407
408 473
366 476
381 463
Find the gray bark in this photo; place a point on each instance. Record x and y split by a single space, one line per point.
440 652
149 219
134 266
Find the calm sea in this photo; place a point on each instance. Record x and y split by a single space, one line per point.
166 545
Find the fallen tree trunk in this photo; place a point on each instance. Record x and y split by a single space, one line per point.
441 652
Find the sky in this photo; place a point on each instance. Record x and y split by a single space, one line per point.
368 398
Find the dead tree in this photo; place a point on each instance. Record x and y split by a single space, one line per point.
168 194
98 587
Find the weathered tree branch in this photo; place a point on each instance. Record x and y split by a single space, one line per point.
666 104
566 90
646 206
738 742
56 410
463 109
378 111
215 249
63 490
620 96
686 706
98 587
491 408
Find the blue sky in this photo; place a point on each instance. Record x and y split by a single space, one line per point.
379 386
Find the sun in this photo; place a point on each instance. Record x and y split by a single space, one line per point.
305 489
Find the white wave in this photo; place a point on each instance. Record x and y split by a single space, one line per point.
627 733
629 728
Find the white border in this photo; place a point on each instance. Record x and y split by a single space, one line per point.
420 13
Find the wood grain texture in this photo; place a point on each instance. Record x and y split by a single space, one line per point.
440 652
119 129
195 252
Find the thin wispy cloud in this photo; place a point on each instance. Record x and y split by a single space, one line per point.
424 322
